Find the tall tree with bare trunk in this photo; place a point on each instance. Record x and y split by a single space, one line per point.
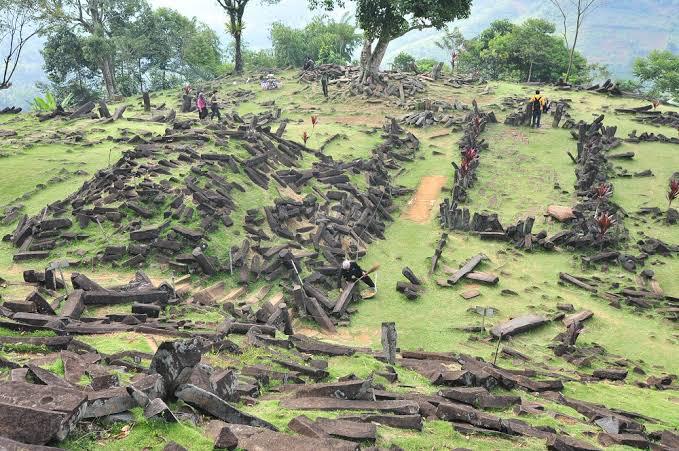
383 21
18 25
573 14
99 20
235 9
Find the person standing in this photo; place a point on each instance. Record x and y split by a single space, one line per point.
201 104
537 103
214 106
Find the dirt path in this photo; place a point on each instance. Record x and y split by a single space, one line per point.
420 206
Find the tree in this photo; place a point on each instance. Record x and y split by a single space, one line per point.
577 10
155 50
404 62
528 51
18 25
67 67
661 69
453 42
100 21
323 40
385 20
235 10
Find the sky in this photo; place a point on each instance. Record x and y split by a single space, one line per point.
258 17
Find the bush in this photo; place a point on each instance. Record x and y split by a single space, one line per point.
259 59
403 62
426 64
633 86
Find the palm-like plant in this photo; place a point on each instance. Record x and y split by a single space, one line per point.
673 191
602 191
49 102
604 222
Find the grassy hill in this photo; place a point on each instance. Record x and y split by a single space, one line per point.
521 173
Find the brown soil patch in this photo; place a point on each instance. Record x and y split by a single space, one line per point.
357 120
420 206
343 336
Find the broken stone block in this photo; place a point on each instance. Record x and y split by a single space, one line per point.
221 435
518 325
560 213
348 430
612 374
174 360
38 414
74 306
217 407
566 443
401 407
156 408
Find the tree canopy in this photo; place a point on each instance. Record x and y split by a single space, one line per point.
323 40
529 51
139 51
385 20
661 70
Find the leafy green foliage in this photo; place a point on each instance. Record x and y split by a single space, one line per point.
147 49
49 102
528 51
323 40
386 20
403 62
661 70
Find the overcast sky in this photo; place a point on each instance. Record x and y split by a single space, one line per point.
258 17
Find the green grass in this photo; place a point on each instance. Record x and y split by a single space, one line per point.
521 173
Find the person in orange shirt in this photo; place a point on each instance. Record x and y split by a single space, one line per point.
537 103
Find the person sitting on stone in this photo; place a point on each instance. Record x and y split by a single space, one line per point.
352 272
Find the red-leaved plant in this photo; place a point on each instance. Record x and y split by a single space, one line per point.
305 137
470 154
314 121
604 221
673 192
602 191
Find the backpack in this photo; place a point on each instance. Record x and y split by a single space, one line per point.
537 106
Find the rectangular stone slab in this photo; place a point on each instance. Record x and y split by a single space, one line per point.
124 297
358 389
11 445
313 346
349 430
30 425
217 407
577 317
75 305
413 422
466 269
468 414
518 325
397 406
265 440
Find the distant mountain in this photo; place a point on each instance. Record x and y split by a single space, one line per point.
615 34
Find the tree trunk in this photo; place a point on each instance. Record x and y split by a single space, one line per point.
371 59
572 54
530 71
107 74
237 37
